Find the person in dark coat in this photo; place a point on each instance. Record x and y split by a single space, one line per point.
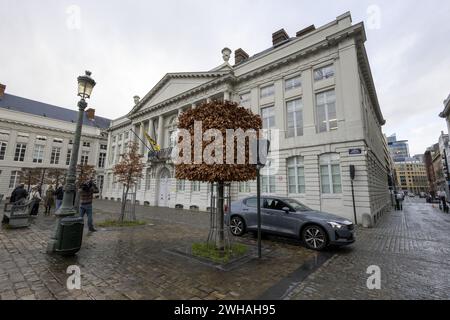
18 194
59 195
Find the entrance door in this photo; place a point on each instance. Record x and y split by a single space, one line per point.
164 188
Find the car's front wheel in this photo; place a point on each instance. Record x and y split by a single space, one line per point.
314 237
237 226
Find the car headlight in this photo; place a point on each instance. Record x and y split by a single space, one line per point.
335 225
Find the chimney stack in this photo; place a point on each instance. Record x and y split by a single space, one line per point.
2 90
90 113
305 31
136 99
279 37
240 55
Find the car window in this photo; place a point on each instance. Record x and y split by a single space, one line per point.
273 204
297 206
251 202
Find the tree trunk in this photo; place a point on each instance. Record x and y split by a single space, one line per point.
220 240
124 203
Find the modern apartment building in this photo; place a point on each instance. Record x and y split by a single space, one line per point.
399 149
38 135
412 176
315 89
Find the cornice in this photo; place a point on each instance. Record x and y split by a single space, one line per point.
51 129
226 77
167 77
120 125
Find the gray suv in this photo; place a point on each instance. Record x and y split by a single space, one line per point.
288 217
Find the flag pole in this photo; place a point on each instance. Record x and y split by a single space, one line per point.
142 140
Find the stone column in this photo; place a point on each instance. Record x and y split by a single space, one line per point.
141 136
151 128
194 105
160 131
227 96
208 100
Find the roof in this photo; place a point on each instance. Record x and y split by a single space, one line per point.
37 108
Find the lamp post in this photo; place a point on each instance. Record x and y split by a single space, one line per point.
85 86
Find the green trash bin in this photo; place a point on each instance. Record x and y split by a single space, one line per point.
70 236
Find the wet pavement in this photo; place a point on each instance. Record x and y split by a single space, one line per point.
412 249
134 263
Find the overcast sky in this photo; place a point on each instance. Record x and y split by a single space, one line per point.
130 45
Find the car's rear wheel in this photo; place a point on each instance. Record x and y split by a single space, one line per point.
314 237
237 226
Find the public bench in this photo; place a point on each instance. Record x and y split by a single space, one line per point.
18 214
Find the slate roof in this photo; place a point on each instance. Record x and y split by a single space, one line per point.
15 103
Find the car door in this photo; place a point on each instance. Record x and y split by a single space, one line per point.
278 220
249 212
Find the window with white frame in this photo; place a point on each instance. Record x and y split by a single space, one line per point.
86 144
14 179
126 135
181 185
294 111
68 155
324 73
41 138
195 186
268 178
3 146
296 175
84 157
38 153
56 153
245 98
244 187
101 160
21 149
117 156
103 147
267 91
58 140
292 83
268 117
326 111
330 174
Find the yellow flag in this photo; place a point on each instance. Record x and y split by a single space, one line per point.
152 142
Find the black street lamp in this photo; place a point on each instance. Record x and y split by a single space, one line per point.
85 86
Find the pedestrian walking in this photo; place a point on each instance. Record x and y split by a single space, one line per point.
59 195
49 200
87 191
36 197
443 201
399 200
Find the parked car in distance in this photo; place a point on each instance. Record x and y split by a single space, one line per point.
288 217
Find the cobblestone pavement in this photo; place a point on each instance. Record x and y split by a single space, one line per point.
131 263
412 248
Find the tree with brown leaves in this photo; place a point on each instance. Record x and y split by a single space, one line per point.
55 177
221 116
128 172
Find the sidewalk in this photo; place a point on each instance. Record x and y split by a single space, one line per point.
411 247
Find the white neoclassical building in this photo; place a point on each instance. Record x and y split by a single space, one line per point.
316 88
34 134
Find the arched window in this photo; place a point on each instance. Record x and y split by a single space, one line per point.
330 174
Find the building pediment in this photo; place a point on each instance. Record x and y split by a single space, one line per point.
174 84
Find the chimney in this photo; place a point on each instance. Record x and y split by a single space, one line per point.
305 31
240 55
136 99
279 37
2 90
90 113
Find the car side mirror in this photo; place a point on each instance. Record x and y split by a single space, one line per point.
286 210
